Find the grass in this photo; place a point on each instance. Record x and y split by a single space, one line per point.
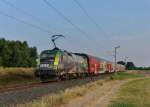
14 76
124 75
133 94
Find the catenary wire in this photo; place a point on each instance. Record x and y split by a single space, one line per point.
69 21
90 18
24 12
25 22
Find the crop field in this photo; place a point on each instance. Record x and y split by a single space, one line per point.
16 76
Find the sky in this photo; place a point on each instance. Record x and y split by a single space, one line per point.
111 23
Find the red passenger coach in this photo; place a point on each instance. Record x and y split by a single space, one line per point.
94 65
98 65
109 67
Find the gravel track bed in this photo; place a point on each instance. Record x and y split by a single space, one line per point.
35 93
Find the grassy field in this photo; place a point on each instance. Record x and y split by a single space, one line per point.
14 76
64 96
125 75
133 94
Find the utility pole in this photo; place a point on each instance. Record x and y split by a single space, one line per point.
125 60
117 47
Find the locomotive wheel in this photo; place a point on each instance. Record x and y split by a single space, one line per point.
43 80
81 75
84 75
67 76
58 79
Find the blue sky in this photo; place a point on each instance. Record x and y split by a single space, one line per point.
122 22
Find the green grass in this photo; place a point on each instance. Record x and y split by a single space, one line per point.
133 94
15 76
124 75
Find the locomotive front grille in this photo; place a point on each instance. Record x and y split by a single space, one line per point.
45 72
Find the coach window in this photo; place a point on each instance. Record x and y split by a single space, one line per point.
101 67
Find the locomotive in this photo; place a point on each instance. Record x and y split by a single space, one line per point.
59 64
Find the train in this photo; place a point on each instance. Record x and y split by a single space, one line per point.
60 64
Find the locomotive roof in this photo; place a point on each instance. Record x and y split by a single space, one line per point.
51 49
81 54
102 59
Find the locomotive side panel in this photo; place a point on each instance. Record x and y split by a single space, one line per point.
73 65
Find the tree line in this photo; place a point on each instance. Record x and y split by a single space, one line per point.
131 66
17 54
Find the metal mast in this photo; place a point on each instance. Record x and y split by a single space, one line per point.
116 58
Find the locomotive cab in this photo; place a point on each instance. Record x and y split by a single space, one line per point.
49 64
58 64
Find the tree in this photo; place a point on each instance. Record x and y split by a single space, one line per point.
33 56
17 54
130 66
121 62
2 44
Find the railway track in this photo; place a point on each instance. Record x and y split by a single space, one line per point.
22 87
34 91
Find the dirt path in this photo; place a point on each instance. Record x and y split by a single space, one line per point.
99 97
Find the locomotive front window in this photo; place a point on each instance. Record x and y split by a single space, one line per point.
51 57
48 56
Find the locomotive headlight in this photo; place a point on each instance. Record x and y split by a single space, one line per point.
44 65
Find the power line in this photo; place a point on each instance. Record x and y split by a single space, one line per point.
37 19
90 18
67 19
22 11
18 9
25 13
24 22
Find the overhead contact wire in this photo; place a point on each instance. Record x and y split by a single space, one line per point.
90 18
25 22
22 11
68 20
